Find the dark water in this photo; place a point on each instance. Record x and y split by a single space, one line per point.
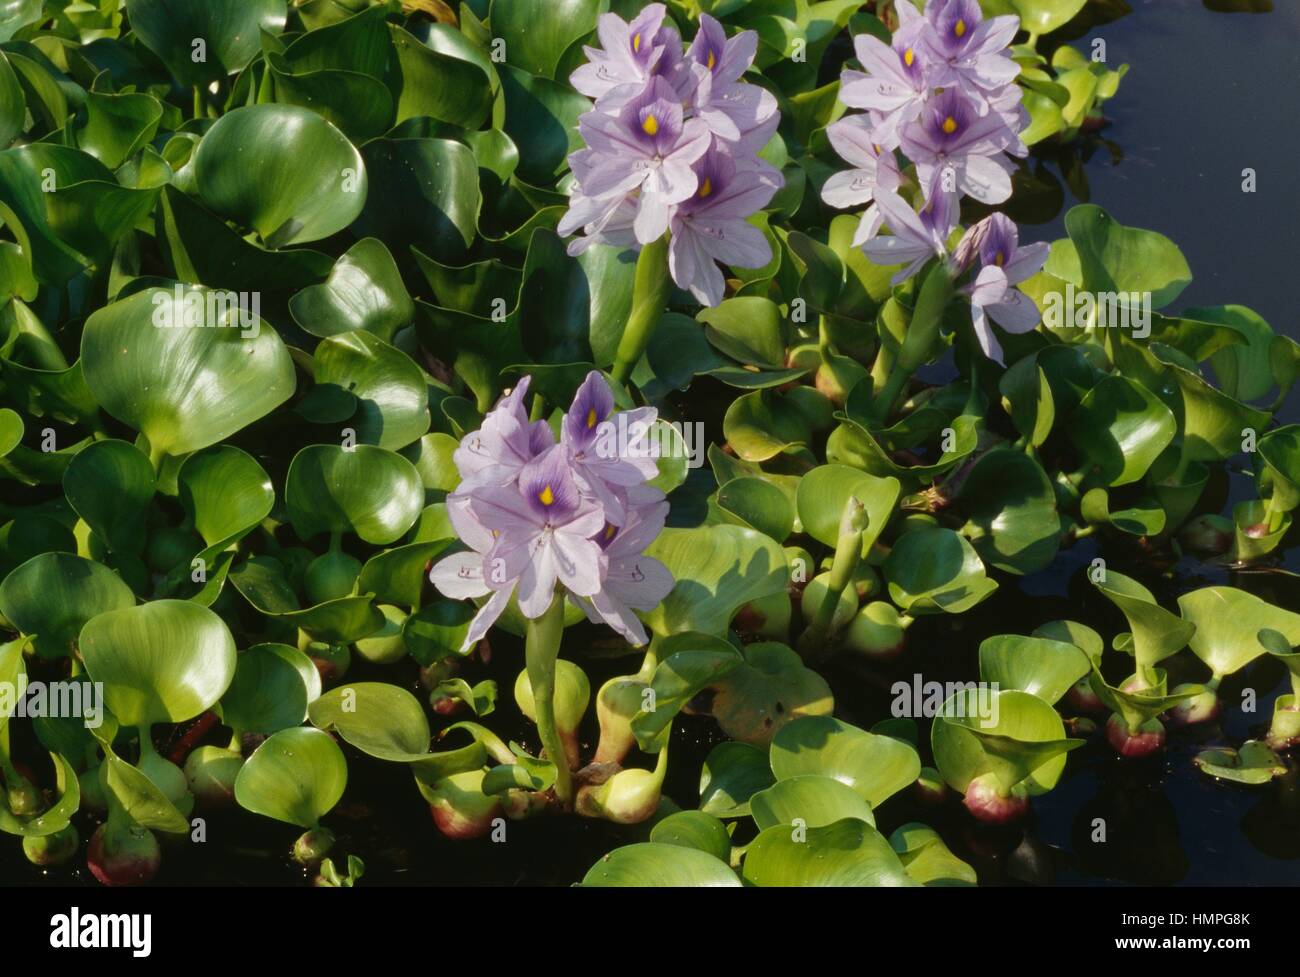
1208 94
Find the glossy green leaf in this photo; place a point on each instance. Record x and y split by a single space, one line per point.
229 30
717 569
390 389
364 292
110 485
936 570
165 661
847 853
1040 666
1121 428
1227 620
296 776
660 865
283 171
732 774
271 689
875 766
812 799
183 388
53 595
366 490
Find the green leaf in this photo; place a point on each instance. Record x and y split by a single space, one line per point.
446 77
1121 427
110 485
927 859
1040 666
379 719
772 688
261 581
541 117
759 504
847 853
1157 633
366 490
660 865
423 192
811 798
717 569
296 776
392 395
183 388
283 171
1014 735
688 664
1115 258
271 689
162 662
1227 620
876 767
230 30
364 292
53 595
824 492
113 128
732 774
936 570
536 33
1011 506
694 829
1253 764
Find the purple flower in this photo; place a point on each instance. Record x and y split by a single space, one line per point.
1004 265
950 137
874 168
609 452
544 532
647 146
964 49
633 581
507 441
630 53
537 515
713 225
916 237
893 89
733 110
658 113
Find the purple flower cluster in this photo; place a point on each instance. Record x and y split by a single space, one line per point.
672 146
536 512
943 93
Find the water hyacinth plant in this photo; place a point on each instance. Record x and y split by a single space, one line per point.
719 443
